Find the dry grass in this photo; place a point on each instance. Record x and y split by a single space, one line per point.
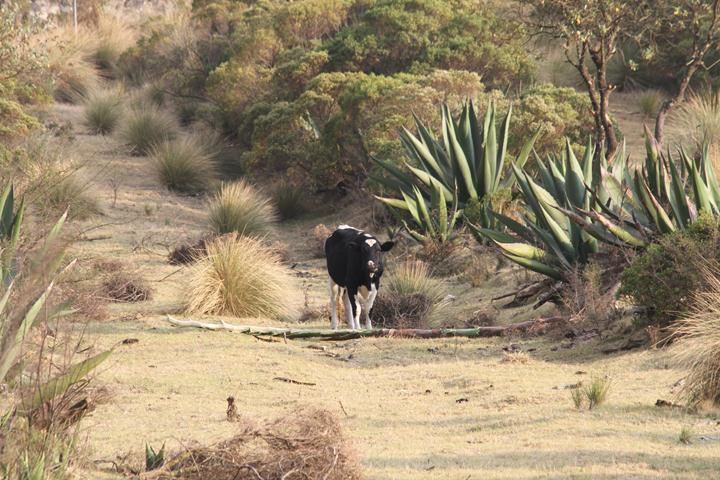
240 207
121 287
146 126
74 76
409 298
71 193
649 102
698 345
114 36
306 443
242 277
184 165
103 111
699 117
515 357
289 200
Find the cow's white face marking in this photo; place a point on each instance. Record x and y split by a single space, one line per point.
371 241
346 227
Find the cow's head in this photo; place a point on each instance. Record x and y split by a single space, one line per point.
371 253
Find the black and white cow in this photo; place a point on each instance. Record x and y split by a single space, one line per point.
355 265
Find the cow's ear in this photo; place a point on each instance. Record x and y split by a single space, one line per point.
387 246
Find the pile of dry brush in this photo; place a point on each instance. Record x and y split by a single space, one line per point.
305 444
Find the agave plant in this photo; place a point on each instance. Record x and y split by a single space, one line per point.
433 220
470 159
557 231
10 222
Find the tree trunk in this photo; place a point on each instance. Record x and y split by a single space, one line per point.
669 103
530 326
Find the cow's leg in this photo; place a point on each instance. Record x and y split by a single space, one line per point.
334 294
369 305
349 308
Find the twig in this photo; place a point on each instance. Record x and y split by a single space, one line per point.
342 407
268 340
296 382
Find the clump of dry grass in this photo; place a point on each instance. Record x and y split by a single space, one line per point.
121 287
593 394
240 207
184 165
74 76
307 443
103 111
649 102
146 126
289 200
515 357
242 277
410 297
698 344
114 36
699 116
72 194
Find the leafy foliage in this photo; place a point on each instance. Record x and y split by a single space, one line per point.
673 267
467 165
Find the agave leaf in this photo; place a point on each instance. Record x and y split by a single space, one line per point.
422 153
415 234
490 152
6 211
465 137
523 250
8 357
664 224
493 235
537 266
678 198
702 194
422 208
618 231
513 226
428 179
442 213
502 148
458 156
394 202
412 207
61 383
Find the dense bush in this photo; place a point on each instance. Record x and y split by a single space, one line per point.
559 112
394 36
666 275
24 78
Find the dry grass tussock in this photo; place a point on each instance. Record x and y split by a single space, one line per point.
145 126
114 36
698 344
184 165
240 207
649 102
306 444
103 111
410 297
74 74
241 276
699 117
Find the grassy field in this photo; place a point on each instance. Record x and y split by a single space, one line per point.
413 409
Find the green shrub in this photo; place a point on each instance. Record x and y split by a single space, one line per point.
289 200
184 165
560 113
665 276
146 126
239 207
103 112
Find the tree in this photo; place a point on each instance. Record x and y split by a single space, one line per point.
590 31
688 30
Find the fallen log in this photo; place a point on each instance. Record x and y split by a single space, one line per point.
530 326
